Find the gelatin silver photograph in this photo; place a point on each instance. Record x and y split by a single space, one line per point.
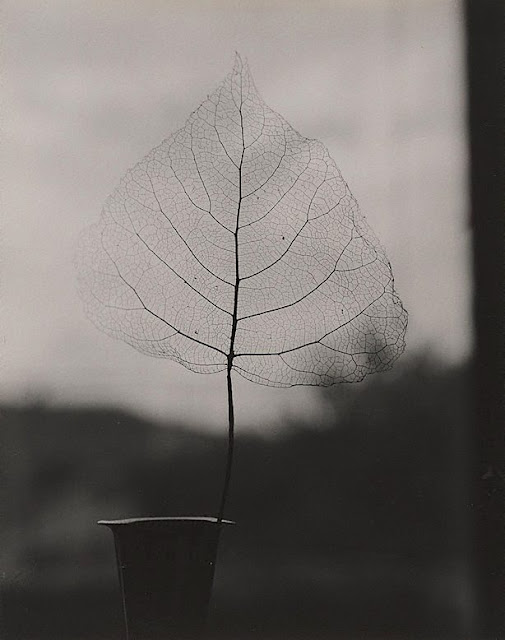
252 327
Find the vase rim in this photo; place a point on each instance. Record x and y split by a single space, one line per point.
126 521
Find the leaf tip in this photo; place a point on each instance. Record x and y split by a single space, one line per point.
238 64
241 69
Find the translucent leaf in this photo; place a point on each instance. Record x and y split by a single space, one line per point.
237 242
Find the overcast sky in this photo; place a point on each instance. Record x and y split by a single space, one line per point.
91 86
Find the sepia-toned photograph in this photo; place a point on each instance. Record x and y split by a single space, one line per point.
252 320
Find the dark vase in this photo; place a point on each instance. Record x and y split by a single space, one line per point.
166 568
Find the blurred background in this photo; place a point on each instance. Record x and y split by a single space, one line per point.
351 502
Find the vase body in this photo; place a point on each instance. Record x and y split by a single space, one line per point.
166 568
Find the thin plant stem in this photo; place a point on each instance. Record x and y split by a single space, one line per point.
231 438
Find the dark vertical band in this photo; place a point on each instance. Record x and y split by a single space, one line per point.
485 21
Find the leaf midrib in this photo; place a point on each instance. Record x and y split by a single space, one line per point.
231 353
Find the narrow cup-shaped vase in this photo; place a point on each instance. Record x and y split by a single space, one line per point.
166 570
